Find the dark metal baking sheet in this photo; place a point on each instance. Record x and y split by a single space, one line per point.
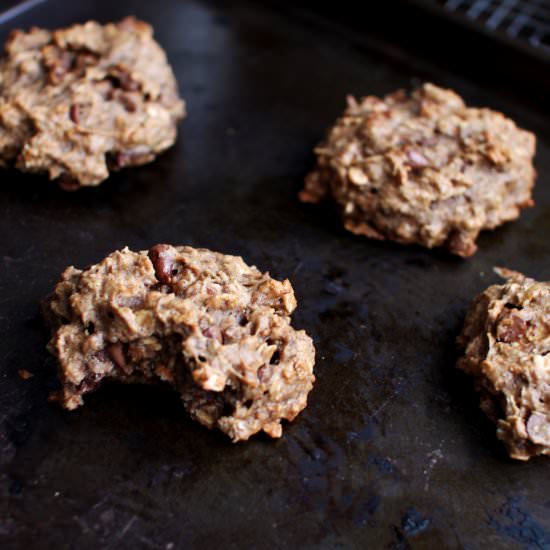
392 451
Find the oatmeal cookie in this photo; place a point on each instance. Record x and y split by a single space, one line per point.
215 329
78 102
506 344
423 168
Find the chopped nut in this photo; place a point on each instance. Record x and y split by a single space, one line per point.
357 176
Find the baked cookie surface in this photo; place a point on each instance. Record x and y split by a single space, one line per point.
506 344
209 325
423 168
78 102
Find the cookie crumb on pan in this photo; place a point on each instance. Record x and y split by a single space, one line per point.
24 374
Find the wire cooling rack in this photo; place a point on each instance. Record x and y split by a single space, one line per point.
526 21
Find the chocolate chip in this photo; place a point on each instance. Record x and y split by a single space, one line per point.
128 102
127 84
121 78
105 88
243 320
78 112
73 113
162 258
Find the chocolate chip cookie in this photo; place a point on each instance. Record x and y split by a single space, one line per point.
506 343
215 329
423 168
78 102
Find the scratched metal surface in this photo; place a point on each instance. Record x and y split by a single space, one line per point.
392 451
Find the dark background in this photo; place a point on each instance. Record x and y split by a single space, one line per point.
392 451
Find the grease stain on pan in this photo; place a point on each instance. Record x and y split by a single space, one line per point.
365 433
324 480
343 353
385 467
513 522
413 523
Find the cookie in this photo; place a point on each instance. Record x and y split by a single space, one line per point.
506 345
423 168
79 102
206 324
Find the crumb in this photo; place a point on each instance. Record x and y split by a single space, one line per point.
24 374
